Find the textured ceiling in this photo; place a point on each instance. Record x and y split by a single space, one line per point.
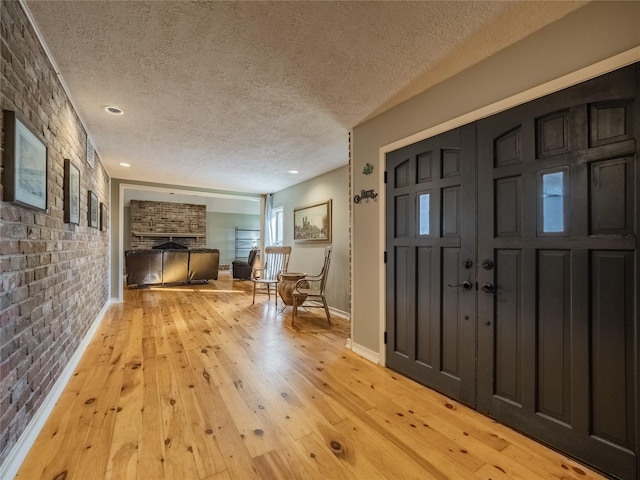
233 95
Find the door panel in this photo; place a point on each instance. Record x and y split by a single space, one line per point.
402 308
508 193
556 347
611 346
538 210
508 326
450 332
431 336
424 325
611 191
554 335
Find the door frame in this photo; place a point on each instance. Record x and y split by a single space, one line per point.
600 68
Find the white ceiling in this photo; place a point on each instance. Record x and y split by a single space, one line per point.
233 95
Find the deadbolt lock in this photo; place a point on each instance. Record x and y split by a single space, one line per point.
488 264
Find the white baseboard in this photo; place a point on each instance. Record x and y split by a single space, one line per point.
339 313
364 352
16 456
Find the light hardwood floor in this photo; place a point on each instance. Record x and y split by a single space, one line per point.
194 382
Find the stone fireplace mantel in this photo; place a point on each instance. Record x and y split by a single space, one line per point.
169 235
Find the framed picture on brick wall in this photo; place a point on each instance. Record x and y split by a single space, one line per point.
93 211
91 152
103 217
25 164
71 193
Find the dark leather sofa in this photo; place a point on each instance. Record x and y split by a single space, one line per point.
155 267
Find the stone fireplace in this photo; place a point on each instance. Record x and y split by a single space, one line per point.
155 223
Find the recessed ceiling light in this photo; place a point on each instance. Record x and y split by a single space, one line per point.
293 171
113 110
124 164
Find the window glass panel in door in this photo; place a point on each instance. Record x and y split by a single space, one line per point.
553 202
424 206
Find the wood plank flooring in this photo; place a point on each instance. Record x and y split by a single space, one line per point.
194 382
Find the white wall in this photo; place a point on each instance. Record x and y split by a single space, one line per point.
590 41
308 257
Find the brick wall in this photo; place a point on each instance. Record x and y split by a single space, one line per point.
54 276
176 218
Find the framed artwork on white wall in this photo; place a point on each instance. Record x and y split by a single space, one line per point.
312 223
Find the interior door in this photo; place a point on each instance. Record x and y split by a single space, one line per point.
431 262
558 253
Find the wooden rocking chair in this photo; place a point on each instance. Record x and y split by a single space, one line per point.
276 261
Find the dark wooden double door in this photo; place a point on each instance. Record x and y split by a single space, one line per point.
513 269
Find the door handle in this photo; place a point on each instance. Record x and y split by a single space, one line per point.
489 288
464 285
